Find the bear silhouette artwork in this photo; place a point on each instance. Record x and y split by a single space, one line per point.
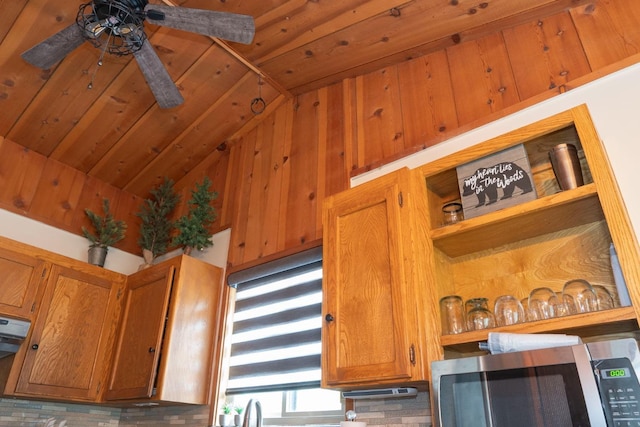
485 182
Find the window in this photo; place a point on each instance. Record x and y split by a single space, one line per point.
276 342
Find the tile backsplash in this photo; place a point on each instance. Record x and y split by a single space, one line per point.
28 413
405 412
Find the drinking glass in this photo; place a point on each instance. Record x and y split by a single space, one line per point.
452 315
452 213
527 312
479 316
542 303
562 308
581 294
508 311
604 299
472 303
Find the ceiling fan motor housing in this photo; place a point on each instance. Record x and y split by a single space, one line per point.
115 24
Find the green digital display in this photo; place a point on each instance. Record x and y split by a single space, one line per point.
615 373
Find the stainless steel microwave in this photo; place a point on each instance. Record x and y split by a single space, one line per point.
583 385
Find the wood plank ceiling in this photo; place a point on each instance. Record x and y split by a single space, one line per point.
115 130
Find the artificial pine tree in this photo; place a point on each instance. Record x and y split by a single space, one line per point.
108 230
155 213
193 228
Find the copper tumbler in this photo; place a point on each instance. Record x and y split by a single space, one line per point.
566 166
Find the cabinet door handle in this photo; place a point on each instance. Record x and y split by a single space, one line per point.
152 350
329 318
34 346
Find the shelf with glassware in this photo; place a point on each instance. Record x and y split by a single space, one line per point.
542 243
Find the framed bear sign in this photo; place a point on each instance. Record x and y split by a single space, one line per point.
495 182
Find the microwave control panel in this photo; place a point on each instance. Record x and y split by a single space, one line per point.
619 391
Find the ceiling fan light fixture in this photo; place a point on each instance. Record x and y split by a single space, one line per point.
115 26
94 29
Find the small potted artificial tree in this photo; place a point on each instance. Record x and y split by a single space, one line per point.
194 227
156 226
107 232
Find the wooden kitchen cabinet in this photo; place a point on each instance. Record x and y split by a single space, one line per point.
168 335
389 257
21 275
375 264
66 355
559 236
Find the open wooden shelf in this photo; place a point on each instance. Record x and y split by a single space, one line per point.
617 320
538 217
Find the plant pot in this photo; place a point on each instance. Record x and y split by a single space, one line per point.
148 258
97 255
226 420
237 419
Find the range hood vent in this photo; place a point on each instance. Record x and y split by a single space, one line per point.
381 393
12 333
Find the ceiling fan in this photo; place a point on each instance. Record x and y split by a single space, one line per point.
116 26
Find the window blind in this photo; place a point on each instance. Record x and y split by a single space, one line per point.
276 342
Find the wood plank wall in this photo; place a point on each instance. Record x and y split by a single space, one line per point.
317 141
272 179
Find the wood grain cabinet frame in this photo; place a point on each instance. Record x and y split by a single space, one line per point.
74 309
169 334
389 257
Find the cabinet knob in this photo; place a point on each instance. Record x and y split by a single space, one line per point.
329 317
34 346
152 350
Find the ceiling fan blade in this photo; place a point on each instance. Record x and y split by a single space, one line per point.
52 50
157 77
228 26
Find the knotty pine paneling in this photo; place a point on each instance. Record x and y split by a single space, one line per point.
379 115
167 128
272 178
56 194
239 188
10 10
419 103
15 81
543 54
482 78
20 172
334 146
301 214
609 30
426 97
50 117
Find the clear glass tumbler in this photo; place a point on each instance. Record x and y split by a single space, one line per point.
478 315
562 307
581 294
604 299
452 315
508 311
542 303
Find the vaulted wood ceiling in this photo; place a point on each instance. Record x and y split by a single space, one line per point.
115 130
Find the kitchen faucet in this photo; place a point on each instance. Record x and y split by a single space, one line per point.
247 413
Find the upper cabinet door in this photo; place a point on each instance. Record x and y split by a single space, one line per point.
138 351
70 345
20 279
367 334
